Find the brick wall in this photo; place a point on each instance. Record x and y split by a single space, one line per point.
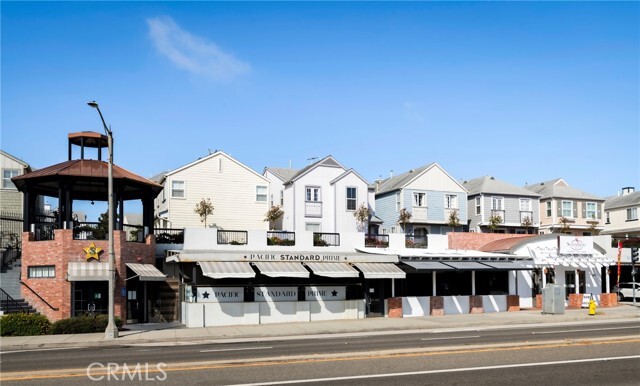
395 307
575 301
474 241
513 303
608 300
475 305
62 250
436 304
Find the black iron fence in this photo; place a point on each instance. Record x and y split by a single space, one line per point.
135 233
232 237
169 236
281 238
376 241
9 304
411 241
326 239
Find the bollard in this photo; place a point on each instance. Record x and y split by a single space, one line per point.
592 306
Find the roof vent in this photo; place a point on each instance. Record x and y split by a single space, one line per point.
492 178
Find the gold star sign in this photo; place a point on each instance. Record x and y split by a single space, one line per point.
92 252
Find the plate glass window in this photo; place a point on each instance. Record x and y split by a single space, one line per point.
352 197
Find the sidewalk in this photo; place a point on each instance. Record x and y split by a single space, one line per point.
174 333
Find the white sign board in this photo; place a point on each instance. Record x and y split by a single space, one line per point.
275 294
220 294
575 245
325 293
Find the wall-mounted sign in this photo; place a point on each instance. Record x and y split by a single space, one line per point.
325 293
275 294
575 245
220 294
92 252
280 255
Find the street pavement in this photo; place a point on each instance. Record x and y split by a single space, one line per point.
175 333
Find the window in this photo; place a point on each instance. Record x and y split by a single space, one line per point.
418 199
567 209
451 201
478 205
7 174
352 197
397 202
313 194
525 205
312 227
632 214
497 203
177 189
393 229
261 193
548 208
281 197
44 271
609 218
591 210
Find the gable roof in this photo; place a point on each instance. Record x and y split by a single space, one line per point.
343 175
327 161
283 174
558 188
212 155
15 159
402 180
488 184
626 200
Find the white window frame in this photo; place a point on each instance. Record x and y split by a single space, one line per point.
608 217
594 210
569 212
261 193
313 227
281 197
497 203
352 200
419 200
183 190
478 205
7 174
549 209
41 271
525 205
632 214
451 201
397 202
312 194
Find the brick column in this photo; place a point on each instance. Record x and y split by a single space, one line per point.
608 300
513 303
395 307
437 305
475 305
575 301
538 301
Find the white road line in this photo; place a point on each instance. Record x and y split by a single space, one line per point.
457 337
437 371
39 349
586 330
237 349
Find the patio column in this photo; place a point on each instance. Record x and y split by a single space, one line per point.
433 283
473 283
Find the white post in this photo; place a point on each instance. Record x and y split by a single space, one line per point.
606 272
577 281
473 283
393 288
433 282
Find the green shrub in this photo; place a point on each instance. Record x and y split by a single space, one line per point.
83 324
21 324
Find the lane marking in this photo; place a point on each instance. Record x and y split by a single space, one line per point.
585 330
457 337
443 371
237 349
40 349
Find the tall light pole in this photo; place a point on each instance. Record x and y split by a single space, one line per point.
112 330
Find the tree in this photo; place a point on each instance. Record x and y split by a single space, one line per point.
454 220
527 223
362 217
204 209
273 214
403 217
565 224
494 221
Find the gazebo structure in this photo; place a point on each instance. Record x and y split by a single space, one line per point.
64 261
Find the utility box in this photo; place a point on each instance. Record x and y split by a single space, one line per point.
553 299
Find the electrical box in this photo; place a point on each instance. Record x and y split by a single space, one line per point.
553 299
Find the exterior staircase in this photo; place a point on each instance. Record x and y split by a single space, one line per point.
10 299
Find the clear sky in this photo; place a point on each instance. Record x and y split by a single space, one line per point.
522 91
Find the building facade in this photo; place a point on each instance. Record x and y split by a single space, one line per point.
621 215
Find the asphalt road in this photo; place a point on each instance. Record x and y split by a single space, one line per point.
544 355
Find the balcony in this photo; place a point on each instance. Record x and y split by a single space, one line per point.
232 237
418 214
313 209
281 238
326 239
169 236
526 217
411 241
376 241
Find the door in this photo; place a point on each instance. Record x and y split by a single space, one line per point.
374 296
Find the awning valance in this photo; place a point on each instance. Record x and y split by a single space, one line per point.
146 272
281 269
227 269
509 265
333 269
428 266
380 271
467 265
93 271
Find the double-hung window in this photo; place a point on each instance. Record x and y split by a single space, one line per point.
352 197
261 193
450 201
478 205
548 203
398 202
567 209
7 174
312 194
591 210
525 205
497 203
418 199
632 214
177 189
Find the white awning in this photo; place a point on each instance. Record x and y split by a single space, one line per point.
333 269
282 269
94 271
509 265
380 271
428 266
467 265
146 272
227 269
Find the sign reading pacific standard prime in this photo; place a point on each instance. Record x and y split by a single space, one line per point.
275 294
220 294
297 257
325 293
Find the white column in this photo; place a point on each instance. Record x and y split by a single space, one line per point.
433 282
473 282
577 280
544 277
393 288
606 272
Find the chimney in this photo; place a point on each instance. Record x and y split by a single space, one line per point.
391 173
628 190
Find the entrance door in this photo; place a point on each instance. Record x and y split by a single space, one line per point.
90 297
374 295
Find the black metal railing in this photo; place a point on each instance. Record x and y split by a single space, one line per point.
169 236
281 238
326 239
9 303
43 231
90 231
411 241
11 254
39 297
376 241
135 233
232 237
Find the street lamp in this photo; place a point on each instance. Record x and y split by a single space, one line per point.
112 331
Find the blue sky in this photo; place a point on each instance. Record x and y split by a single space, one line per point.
523 91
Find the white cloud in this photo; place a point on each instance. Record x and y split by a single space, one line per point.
193 53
